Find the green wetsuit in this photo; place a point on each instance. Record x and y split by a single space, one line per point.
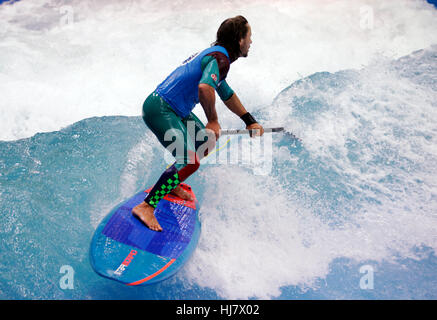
161 119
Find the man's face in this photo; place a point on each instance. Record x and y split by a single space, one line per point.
245 42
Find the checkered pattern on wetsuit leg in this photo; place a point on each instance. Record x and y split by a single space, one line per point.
166 183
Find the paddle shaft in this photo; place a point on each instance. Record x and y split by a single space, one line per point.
249 131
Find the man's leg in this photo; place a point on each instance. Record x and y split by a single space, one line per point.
160 118
197 134
203 141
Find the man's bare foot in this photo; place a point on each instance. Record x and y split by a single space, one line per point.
181 193
144 212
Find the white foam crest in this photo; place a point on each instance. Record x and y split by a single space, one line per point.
63 61
135 174
250 235
257 237
137 168
256 234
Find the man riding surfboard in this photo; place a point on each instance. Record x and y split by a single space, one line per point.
170 107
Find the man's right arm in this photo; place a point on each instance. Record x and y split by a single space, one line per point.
207 86
207 100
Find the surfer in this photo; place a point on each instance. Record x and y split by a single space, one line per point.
170 107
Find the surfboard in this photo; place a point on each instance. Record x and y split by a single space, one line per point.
124 249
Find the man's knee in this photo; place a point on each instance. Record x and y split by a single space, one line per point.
191 166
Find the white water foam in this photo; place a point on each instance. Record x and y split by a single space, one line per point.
257 236
63 61
136 172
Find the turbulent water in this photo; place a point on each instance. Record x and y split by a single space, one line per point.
354 196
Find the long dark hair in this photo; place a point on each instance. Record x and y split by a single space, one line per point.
229 34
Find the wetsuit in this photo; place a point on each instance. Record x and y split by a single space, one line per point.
170 107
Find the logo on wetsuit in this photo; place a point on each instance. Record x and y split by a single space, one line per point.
190 58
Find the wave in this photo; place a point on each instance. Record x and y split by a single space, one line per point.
357 188
361 185
64 61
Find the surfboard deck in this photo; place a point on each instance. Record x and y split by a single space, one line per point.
124 249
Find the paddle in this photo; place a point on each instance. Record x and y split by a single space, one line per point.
249 131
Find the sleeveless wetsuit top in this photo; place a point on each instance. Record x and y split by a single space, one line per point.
181 88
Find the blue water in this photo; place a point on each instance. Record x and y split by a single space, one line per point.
49 183
347 211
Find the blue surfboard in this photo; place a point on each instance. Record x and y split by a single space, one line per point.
125 250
